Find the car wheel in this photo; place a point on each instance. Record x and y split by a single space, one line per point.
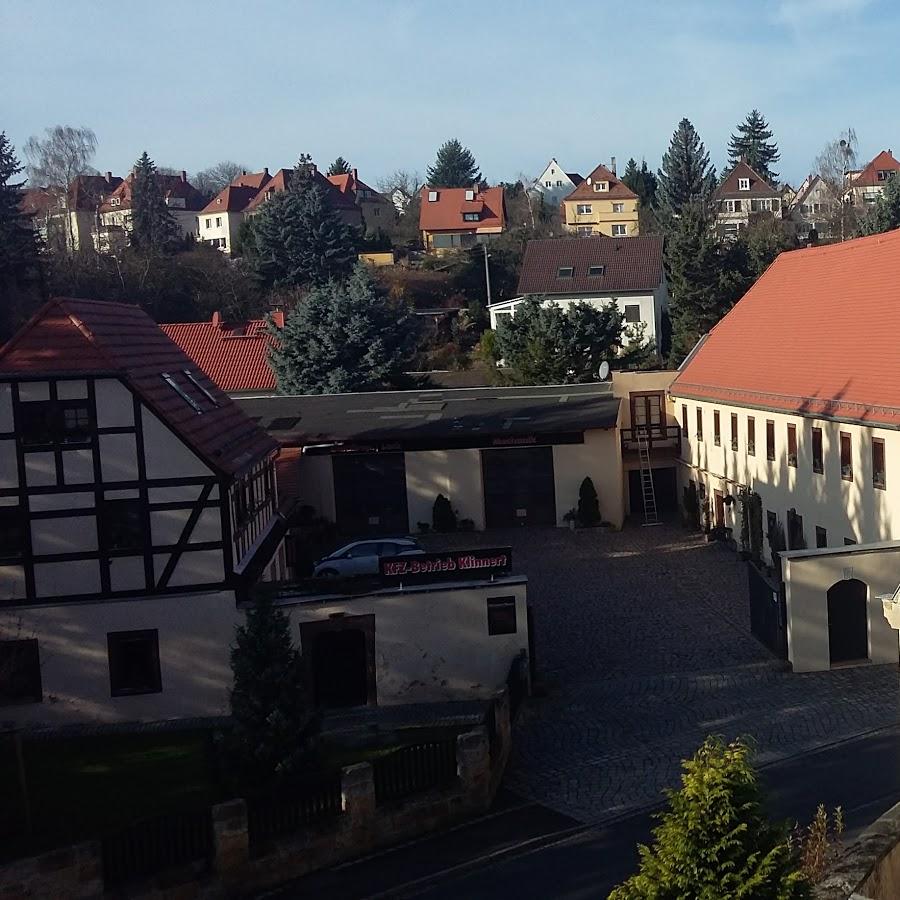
328 573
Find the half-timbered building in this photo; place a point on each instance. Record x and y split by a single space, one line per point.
137 504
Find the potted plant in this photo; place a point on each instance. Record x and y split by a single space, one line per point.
588 505
570 518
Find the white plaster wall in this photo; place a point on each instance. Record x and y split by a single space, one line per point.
600 457
75 389
12 582
846 509
40 469
118 457
433 646
9 472
78 466
166 456
58 579
6 413
196 674
808 578
316 485
454 473
193 567
30 391
115 406
77 534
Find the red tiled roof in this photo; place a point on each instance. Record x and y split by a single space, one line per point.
617 190
869 175
351 184
281 181
251 179
172 186
816 334
630 264
234 355
446 213
230 199
759 187
82 336
36 201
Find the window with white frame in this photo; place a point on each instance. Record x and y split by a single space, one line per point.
620 230
743 184
583 209
585 230
618 207
218 221
601 186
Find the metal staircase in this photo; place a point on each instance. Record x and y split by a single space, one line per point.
651 516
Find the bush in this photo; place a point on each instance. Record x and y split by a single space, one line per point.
714 843
443 516
588 504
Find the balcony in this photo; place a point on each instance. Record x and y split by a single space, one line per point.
665 438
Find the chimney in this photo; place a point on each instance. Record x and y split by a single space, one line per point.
183 175
216 319
109 177
243 171
612 164
266 171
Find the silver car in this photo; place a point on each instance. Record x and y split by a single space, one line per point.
361 557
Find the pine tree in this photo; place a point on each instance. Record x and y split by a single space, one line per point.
454 166
343 337
642 181
153 227
20 267
269 705
686 177
339 167
300 239
588 504
753 144
884 215
714 842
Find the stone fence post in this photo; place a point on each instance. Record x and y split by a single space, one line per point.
231 839
358 803
473 765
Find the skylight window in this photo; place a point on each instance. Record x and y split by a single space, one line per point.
193 380
170 381
595 271
565 272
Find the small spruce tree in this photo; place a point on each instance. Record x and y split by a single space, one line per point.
714 842
686 177
272 716
753 143
339 167
588 504
153 227
454 167
443 518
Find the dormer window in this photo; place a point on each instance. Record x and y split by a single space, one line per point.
596 271
470 195
565 272
743 184
601 186
432 196
471 217
885 174
115 201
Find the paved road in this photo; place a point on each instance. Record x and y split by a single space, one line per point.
644 647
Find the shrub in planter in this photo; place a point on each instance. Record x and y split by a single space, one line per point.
571 517
588 504
466 525
443 516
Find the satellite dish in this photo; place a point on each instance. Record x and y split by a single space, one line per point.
603 371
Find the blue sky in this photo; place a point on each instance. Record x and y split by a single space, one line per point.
384 82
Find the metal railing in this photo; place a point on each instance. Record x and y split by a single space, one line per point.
413 769
657 436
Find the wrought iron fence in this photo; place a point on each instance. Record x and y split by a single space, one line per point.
410 770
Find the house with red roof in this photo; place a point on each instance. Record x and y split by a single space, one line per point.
137 507
867 185
601 204
794 398
376 211
742 195
459 218
180 196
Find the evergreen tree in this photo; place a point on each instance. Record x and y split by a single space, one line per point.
885 214
343 337
153 227
454 167
753 144
300 239
19 249
642 181
269 704
714 842
686 177
339 167
588 504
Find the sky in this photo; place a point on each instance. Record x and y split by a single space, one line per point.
384 82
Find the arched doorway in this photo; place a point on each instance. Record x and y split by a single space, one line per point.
340 657
848 621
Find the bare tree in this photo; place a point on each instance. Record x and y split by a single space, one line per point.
401 188
212 180
56 160
834 165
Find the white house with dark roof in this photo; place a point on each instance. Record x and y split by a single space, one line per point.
598 271
554 183
742 194
137 506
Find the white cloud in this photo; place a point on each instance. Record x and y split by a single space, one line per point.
814 13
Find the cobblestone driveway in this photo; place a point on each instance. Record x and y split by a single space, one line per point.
643 647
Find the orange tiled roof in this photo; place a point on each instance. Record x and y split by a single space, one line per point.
617 190
816 334
868 177
446 213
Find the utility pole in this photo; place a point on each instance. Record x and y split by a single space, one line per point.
487 273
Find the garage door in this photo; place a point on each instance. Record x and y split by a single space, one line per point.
370 493
519 487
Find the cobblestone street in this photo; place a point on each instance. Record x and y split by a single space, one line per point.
643 648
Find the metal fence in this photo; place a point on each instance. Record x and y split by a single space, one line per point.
768 611
150 846
418 767
292 808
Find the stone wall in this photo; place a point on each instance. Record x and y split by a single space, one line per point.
362 826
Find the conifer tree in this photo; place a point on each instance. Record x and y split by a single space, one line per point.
19 248
300 239
642 181
270 708
686 177
714 842
753 143
153 227
339 167
343 337
884 215
454 166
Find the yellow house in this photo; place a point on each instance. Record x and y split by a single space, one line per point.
601 204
